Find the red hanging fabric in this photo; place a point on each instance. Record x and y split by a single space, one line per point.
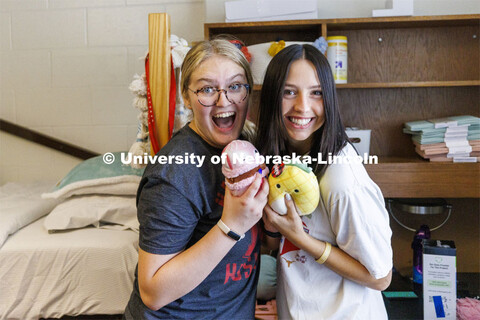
152 131
172 101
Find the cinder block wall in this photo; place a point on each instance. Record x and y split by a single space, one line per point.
65 68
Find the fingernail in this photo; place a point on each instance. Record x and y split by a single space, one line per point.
288 196
260 170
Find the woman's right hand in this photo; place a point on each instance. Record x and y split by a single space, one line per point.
242 213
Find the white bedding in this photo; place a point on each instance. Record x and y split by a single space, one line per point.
21 204
85 271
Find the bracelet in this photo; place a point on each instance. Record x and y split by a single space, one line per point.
325 254
269 233
229 232
272 234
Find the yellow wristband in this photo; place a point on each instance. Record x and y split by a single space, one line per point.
325 254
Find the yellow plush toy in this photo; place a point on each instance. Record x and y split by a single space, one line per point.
297 180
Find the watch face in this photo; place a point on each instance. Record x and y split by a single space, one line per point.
234 235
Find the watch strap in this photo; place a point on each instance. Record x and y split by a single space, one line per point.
269 233
229 232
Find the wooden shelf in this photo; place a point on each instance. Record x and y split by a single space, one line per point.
407 84
415 178
434 57
254 32
402 22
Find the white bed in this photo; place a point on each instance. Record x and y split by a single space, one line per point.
85 271
69 254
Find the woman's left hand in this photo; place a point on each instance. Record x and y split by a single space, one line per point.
290 225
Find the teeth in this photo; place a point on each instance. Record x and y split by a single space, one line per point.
224 114
300 122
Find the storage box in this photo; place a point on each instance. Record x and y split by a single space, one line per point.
360 140
268 10
439 279
395 8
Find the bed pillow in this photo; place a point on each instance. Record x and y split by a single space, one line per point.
94 176
267 280
101 211
21 204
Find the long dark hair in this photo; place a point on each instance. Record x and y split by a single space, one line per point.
272 137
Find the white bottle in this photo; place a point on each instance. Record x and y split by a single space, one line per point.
337 55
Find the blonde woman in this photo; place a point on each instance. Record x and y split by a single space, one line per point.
199 246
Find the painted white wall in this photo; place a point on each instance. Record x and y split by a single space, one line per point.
330 9
65 67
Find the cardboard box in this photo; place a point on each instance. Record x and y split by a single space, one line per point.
360 140
439 280
269 10
395 8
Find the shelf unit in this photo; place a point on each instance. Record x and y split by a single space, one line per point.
400 69
412 84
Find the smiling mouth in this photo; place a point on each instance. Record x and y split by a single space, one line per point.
300 122
224 120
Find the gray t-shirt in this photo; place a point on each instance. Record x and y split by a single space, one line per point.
178 204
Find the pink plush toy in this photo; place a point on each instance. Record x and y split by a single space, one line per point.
240 162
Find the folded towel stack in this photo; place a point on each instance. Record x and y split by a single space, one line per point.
453 139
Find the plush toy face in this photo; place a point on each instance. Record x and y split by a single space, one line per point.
298 181
241 162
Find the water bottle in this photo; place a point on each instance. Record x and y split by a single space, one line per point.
422 233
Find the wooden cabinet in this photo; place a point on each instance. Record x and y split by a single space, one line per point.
400 69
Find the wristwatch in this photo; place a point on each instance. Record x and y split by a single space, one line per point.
232 234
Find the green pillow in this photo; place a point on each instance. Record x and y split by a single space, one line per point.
94 176
267 281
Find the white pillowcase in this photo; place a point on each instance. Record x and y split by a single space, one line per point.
101 211
21 204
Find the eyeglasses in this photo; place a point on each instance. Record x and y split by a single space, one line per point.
209 96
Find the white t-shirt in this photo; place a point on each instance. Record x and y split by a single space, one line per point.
352 216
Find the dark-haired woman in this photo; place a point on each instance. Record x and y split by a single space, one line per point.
333 263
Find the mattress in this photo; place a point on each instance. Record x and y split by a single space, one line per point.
85 271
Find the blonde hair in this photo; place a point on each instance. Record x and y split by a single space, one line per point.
207 49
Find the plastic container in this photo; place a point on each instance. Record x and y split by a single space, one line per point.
360 140
337 55
422 234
